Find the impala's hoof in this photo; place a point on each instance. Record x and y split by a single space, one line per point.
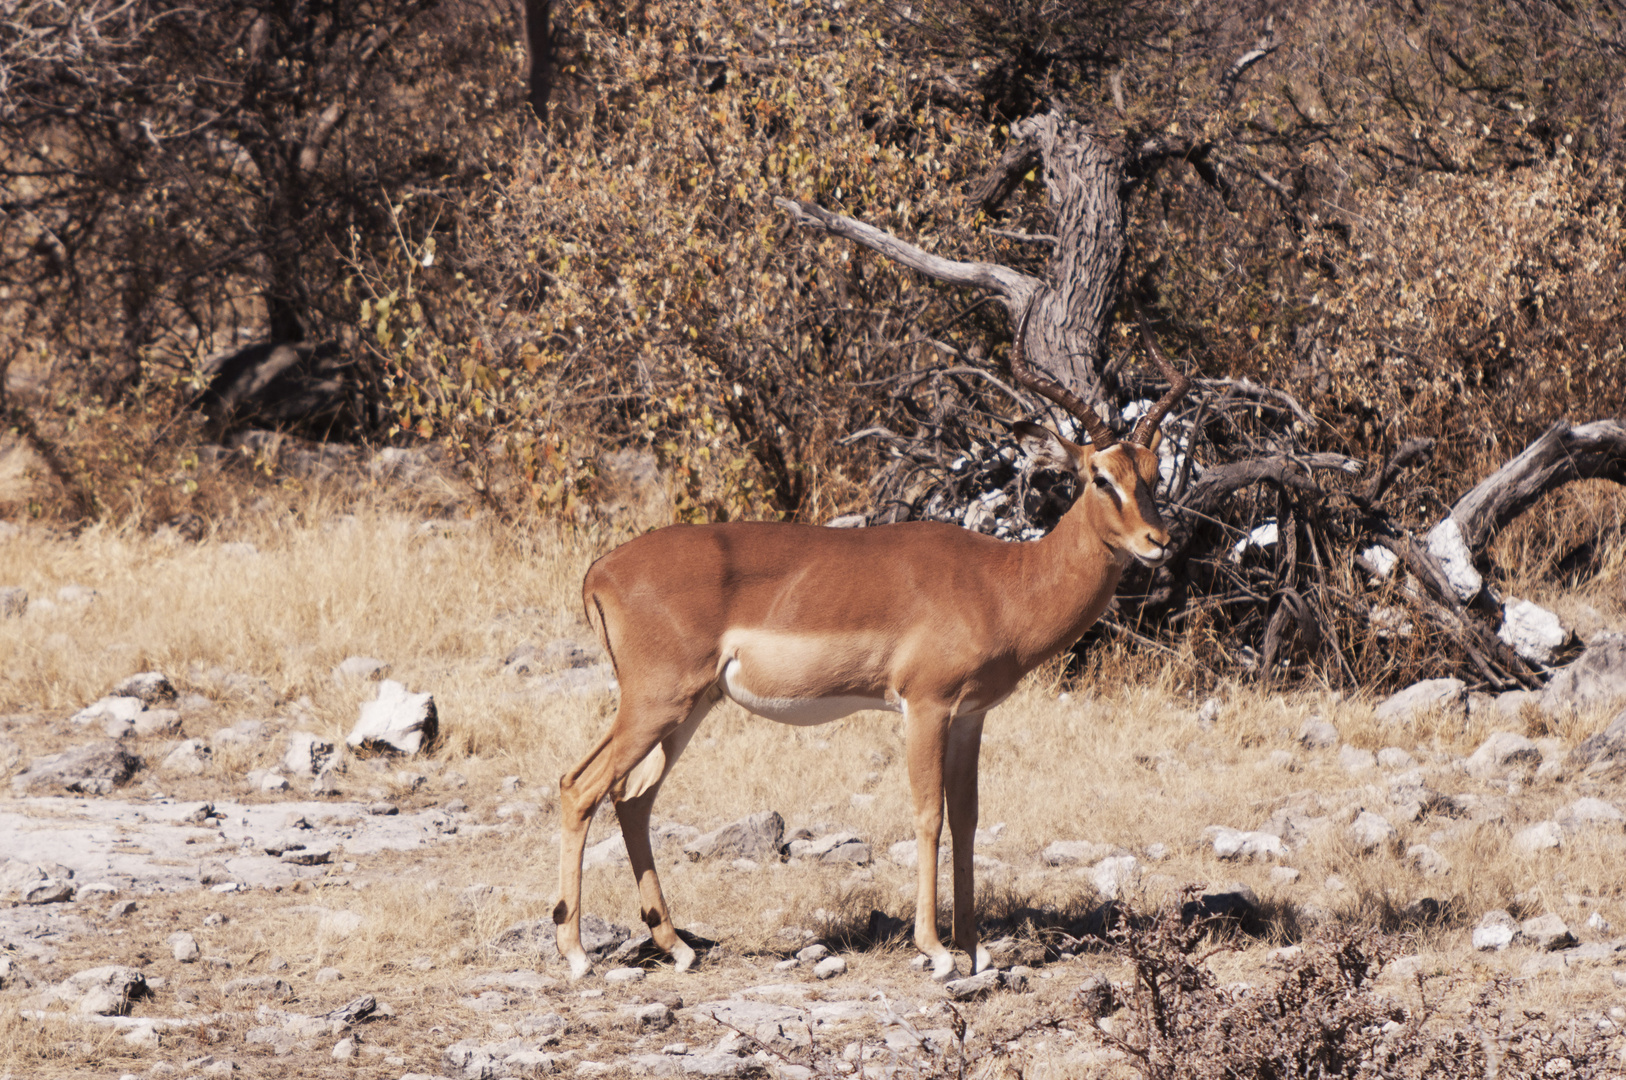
580 966
980 961
943 967
683 956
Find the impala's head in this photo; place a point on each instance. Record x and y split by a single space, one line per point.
1116 488
1116 480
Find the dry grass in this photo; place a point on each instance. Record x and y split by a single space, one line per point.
1118 757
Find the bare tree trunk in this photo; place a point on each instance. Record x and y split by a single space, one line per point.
539 48
1084 177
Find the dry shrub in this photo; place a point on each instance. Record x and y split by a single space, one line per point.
1323 1017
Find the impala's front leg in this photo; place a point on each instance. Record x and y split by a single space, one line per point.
960 777
925 739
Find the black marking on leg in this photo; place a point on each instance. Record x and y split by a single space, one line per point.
651 917
560 912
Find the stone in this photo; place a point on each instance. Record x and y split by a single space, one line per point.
328 975
104 991
1596 679
1608 745
267 986
153 722
151 688
190 758
840 847
756 837
361 667
813 954
1448 695
272 781
1547 933
344 1049
1589 812
1495 931
91 769
1235 903
829 967
1317 734
1446 544
1369 832
184 947
113 708
1283 875
1502 751
13 602
1395 759
1531 631
1112 875
656 1016
395 722
1059 853
307 754
303 856
1356 760
1244 845
1426 861
1542 836
624 975
976 986
1598 923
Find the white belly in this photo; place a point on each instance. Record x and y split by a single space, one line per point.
803 712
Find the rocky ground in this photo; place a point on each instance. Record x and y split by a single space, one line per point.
203 877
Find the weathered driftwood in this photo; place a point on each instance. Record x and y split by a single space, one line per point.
1595 451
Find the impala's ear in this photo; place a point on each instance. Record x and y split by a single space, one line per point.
1047 450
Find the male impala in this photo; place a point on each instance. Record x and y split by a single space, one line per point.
804 624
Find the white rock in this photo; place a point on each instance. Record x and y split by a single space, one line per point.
1239 844
624 975
1446 544
1283 875
1391 622
1112 875
307 754
1263 536
1495 932
1317 734
611 851
1427 861
121 707
1531 631
1589 811
1450 695
1394 758
184 947
829 967
274 782
1598 922
1542 836
190 757
1500 752
1370 831
1378 561
1354 759
396 720
361 667
1073 852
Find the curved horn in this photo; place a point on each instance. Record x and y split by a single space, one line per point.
1178 385
1101 436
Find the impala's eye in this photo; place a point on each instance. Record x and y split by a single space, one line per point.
1102 482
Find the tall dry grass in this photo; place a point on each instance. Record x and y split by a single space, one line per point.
1114 755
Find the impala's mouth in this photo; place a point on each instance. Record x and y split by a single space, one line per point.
1154 558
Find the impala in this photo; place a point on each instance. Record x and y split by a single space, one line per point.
804 624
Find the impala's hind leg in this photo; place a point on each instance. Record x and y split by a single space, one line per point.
633 809
639 728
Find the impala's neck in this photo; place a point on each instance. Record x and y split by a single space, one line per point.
1069 577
